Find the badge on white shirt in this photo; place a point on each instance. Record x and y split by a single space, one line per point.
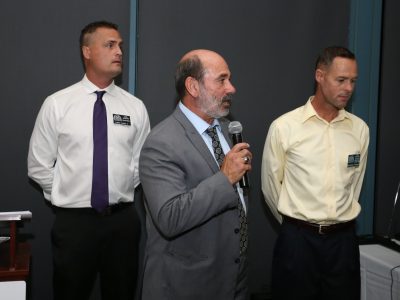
122 120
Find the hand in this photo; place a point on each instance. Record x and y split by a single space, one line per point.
237 162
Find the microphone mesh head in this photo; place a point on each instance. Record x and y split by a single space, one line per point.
235 127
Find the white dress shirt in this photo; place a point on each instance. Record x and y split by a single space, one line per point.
61 147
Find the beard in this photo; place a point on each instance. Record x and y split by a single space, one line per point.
215 107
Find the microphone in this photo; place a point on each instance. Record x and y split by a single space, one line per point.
235 129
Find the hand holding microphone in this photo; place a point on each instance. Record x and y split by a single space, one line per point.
240 152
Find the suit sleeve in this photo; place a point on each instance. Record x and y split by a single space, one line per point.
174 204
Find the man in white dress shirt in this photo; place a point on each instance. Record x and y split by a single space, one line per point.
88 241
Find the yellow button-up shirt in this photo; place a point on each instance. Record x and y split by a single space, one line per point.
312 169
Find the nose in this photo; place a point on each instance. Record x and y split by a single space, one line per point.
119 50
230 88
350 86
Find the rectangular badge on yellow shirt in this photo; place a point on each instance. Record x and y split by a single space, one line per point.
353 160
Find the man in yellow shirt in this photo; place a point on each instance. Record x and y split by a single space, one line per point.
312 171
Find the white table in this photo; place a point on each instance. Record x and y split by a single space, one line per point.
380 273
12 290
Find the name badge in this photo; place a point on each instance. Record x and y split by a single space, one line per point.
353 160
122 120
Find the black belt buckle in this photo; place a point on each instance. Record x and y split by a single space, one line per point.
321 229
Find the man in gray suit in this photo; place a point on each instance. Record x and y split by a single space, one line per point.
194 248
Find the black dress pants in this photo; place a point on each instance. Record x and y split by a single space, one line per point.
307 265
86 244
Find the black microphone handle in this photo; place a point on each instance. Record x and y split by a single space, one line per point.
244 181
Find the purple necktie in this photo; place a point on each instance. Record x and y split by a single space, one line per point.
99 198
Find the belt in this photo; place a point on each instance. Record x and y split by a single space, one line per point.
109 210
320 228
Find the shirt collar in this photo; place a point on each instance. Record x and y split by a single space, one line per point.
91 87
310 112
198 123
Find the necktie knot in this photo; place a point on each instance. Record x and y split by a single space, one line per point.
212 131
100 94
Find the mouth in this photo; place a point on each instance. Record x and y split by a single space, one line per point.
344 97
226 103
227 99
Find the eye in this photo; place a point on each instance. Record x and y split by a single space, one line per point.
223 80
110 45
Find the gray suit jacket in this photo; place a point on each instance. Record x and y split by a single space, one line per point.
192 250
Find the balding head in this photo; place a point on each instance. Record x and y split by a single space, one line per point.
203 84
194 64
203 54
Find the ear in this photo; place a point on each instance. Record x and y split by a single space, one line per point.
319 75
86 52
192 86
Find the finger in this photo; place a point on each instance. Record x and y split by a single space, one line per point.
239 147
246 153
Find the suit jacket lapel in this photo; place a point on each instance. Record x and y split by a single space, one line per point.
196 139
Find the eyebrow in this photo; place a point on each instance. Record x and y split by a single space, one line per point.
114 41
223 76
346 77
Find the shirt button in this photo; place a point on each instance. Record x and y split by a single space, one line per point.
236 230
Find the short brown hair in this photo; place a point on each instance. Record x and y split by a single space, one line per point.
92 27
327 55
